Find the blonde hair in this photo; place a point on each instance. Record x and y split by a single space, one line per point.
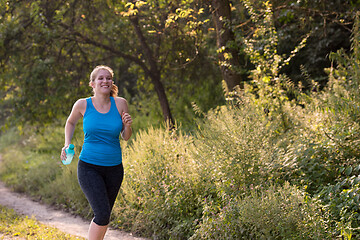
93 75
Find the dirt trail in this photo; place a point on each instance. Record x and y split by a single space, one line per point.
66 222
61 220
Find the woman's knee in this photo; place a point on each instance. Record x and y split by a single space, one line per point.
102 219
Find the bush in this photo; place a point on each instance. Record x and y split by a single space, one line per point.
276 213
160 194
31 164
174 182
325 157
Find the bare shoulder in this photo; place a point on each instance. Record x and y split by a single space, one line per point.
121 104
120 100
80 106
80 103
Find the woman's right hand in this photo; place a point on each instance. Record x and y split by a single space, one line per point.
63 154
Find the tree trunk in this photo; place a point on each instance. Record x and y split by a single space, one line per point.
221 15
164 103
153 72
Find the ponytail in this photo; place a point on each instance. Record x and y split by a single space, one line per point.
114 90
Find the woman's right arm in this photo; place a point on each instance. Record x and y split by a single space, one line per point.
77 112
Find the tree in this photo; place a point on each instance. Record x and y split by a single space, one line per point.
63 40
229 59
37 77
328 23
141 52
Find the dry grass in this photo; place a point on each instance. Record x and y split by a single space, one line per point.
14 226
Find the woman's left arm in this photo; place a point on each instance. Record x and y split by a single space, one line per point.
127 121
122 107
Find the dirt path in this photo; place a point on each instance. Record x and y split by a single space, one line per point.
64 221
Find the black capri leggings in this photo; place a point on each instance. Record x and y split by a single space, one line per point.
100 185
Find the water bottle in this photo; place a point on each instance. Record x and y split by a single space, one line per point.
69 154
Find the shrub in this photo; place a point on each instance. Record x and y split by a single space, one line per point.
31 164
159 196
228 150
276 213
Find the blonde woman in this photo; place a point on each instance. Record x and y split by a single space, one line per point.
100 170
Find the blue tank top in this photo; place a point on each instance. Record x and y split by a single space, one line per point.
101 141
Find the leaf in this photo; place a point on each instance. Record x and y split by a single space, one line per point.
348 171
266 79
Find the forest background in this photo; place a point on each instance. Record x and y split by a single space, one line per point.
246 113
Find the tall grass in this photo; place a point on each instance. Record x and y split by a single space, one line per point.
179 186
274 213
31 164
160 180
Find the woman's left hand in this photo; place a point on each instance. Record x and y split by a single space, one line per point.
126 118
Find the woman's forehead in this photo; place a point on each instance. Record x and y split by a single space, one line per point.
103 72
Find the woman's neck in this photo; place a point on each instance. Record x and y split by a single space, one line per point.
102 99
101 103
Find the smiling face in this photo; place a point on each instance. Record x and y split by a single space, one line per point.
102 82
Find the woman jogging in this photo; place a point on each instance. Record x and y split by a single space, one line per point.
100 169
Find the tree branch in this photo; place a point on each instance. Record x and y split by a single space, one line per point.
87 40
147 50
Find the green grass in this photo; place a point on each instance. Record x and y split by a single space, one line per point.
14 226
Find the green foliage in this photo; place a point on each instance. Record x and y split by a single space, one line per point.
175 183
48 50
160 190
238 175
342 106
229 148
329 30
38 81
272 213
37 170
324 156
